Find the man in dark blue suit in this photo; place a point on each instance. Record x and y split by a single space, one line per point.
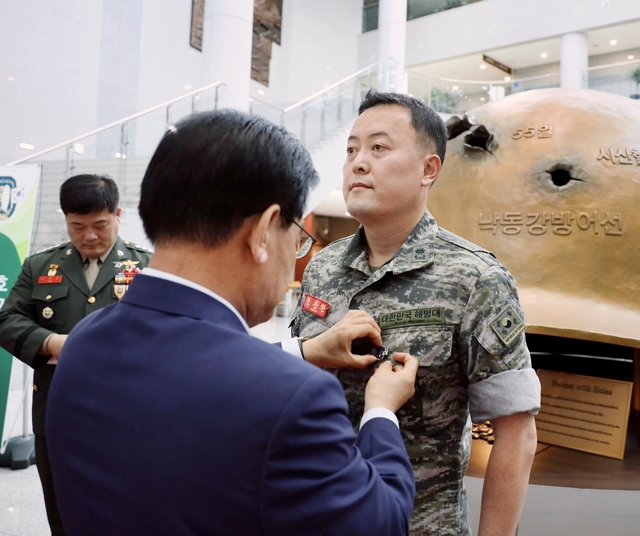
179 421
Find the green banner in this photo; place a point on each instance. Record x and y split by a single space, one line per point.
18 191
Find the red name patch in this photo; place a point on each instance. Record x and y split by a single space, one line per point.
49 279
315 306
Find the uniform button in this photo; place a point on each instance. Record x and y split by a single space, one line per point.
35 387
48 297
92 299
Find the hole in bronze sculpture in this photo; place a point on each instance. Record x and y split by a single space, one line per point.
457 125
561 176
479 138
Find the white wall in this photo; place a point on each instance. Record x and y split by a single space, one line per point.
167 61
319 46
51 49
494 24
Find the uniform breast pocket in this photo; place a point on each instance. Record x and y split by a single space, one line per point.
51 305
431 345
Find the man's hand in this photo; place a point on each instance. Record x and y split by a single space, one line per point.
54 345
332 349
392 386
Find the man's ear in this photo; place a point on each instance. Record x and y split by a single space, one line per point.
261 233
432 165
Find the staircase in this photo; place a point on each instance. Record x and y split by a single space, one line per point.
123 149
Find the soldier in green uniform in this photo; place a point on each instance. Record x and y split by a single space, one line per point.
61 285
442 299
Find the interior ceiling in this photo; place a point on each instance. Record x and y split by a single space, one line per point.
528 54
517 57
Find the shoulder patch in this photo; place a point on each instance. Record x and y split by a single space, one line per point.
131 245
51 248
508 325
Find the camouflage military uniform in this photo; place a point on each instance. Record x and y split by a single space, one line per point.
450 304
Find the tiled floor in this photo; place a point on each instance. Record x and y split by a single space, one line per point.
21 504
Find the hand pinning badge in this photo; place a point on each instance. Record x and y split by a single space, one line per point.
124 277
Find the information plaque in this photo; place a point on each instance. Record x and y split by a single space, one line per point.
584 413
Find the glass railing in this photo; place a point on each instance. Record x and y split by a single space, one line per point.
452 96
620 78
121 149
317 117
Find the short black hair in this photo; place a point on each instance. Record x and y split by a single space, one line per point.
86 194
429 126
214 169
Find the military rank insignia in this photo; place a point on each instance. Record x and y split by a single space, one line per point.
51 278
315 306
508 325
124 277
47 313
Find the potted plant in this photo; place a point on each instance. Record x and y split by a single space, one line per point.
635 77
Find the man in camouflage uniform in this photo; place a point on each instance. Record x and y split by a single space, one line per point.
440 298
56 289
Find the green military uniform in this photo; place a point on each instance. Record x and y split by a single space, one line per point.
37 307
450 304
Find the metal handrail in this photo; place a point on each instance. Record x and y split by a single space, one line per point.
482 82
335 85
116 123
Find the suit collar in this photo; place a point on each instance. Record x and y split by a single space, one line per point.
174 298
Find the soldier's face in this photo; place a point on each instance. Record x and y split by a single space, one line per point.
383 176
93 234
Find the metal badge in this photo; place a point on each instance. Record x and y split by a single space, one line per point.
119 290
119 253
47 312
364 346
52 269
68 252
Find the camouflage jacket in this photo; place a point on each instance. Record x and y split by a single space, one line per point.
453 306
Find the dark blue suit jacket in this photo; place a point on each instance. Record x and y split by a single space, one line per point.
166 418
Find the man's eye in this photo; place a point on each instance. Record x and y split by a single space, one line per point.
377 147
350 150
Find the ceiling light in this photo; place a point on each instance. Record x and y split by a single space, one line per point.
260 92
250 99
482 99
543 55
10 79
118 155
483 66
79 148
507 79
455 88
630 57
613 42
27 146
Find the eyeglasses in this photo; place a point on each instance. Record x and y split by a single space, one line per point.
304 242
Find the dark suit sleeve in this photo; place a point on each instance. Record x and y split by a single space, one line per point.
320 479
20 334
